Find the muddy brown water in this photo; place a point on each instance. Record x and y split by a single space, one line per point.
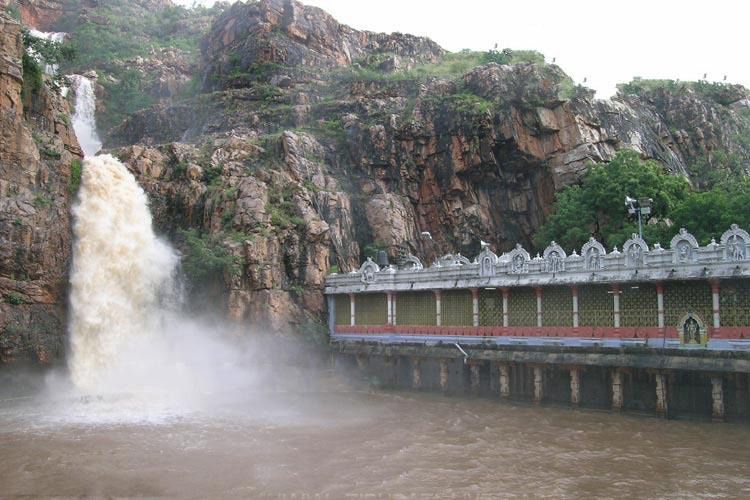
358 443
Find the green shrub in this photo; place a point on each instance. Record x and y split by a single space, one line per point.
13 11
75 176
43 201
205 258
15 299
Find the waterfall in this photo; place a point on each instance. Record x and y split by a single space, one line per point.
120 271
84 116
128 330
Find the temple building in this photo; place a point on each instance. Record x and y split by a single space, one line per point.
681 300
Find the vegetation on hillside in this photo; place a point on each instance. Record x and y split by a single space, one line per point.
37 54
206 259
721 93
595 207
451 65
124 30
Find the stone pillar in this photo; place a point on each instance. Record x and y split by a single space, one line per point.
444 375
394 302
616 304
438 307
504 380
506 295
661 395
717 395
574 293
362 361
416 373
575 387
617 398
331 314
474 367
391 308
715 289
352 309
660 305
391 375
475 306
538 384
539 316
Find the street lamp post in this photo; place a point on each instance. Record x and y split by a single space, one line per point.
641 206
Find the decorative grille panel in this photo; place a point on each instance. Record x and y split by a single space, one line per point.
638 306
595 306
343 309
734 305
687 296
557 306
372 309
522 307
457 308
490 308
416 308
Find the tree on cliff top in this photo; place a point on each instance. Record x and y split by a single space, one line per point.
596 207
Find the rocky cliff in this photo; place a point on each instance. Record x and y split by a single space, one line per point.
37 148
306 145
314 144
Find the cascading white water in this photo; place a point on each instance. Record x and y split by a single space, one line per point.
128 334
84 116
120 270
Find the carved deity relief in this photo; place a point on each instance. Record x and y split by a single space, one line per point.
554 258
592 253
735 241
684 246
635 250
519 260
736 247
692 330
368 271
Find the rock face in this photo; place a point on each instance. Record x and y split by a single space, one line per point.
37 148
313 144
248 39
320 142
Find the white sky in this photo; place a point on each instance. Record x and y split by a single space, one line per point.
604 41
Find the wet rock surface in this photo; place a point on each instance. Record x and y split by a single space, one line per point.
37 147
